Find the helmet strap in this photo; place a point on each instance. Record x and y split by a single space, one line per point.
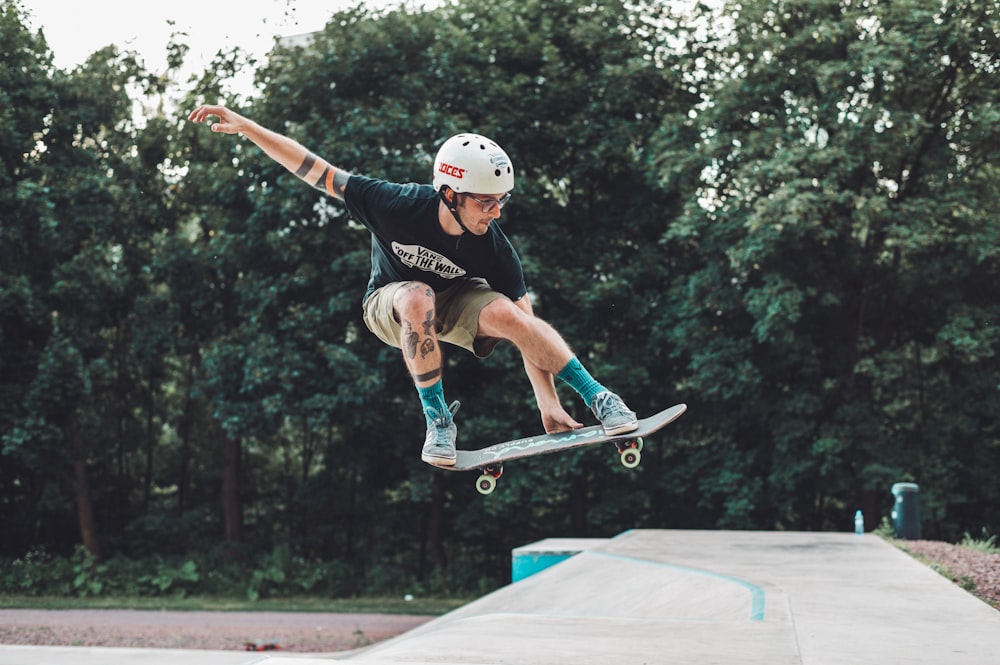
453 207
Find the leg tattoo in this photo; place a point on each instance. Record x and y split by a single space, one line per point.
427 376
411 339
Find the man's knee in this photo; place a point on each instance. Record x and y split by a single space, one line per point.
504 317
413 300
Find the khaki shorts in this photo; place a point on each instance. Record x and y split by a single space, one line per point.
456 315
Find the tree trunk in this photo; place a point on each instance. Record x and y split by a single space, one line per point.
351 513
184 431
578 500
84 506
147 484
232 507
435 529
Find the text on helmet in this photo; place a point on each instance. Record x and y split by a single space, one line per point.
452 171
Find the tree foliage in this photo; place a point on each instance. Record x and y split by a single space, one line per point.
779 213
839 183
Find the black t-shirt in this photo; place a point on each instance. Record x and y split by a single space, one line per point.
408 243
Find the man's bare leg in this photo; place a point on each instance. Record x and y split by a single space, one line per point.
414 305
547 355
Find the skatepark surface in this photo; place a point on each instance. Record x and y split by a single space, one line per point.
698 597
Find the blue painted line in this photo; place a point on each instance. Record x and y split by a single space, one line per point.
757 595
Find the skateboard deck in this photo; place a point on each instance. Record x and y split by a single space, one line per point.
491 458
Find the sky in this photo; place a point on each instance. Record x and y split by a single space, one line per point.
75 30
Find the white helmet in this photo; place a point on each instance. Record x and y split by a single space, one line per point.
473 164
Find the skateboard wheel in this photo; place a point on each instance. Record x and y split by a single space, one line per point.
495 470
486 484
631 458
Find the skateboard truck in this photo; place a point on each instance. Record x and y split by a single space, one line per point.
630 451
488 481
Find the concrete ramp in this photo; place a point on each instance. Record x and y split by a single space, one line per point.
664 597
704 597
613 586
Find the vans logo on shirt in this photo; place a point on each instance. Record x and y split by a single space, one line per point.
415 256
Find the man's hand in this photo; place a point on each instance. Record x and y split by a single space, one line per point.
230 122
557 420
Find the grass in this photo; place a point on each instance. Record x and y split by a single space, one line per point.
425 606
986 544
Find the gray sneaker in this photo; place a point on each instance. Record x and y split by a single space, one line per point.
439 444
615 417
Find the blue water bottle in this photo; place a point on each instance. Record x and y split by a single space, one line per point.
859 523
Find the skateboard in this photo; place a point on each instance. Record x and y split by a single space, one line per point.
490 460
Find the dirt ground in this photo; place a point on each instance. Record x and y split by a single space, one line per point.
976 572
290 631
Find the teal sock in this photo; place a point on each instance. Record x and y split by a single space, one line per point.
580 380
432 397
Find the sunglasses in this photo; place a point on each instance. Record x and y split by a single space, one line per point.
489 205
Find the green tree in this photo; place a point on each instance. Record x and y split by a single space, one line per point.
839 245
26 95
75 244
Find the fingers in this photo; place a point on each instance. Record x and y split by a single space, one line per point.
202 113
556 428
226 118
559 422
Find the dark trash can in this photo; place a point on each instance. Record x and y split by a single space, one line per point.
906 511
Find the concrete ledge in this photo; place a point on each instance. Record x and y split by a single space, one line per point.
536 557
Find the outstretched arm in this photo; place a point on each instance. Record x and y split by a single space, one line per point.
554 417
286 151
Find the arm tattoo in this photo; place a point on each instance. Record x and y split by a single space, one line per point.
322 182
332 181
306 165
339 185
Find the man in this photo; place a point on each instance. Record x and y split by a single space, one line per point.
442 271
